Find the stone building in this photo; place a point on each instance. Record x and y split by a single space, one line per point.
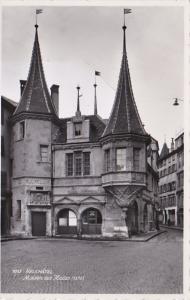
81 175
171 173
7 108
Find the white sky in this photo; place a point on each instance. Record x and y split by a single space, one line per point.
76 41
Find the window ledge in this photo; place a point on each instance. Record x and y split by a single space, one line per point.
20 139
79 176
42 162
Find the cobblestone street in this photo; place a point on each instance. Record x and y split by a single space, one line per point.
74 266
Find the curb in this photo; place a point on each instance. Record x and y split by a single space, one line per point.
16 239
148 238
158 233
172 227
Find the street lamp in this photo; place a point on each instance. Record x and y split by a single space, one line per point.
176 101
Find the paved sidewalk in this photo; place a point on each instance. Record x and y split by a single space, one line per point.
142 237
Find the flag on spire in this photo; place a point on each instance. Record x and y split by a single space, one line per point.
39 11
97 73
127 11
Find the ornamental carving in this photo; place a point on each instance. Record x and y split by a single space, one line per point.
39 199
124 195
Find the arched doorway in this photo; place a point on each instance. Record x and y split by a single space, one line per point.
67 222
145 218
132 218
91 221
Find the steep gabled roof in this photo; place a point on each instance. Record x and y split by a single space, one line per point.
165 151
35 97
124 117
11 103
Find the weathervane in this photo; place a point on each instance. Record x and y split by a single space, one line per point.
38 11
126 11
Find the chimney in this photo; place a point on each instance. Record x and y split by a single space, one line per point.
22 86
172 145
55 96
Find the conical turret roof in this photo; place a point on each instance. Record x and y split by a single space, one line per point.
35 97
124 117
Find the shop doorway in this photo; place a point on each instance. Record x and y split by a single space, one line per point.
91 221
67 222
132 219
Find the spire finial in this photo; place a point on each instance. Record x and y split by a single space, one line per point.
78 113
95 100
97 73
164 138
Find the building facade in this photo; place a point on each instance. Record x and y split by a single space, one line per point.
7 109
171 173
81 175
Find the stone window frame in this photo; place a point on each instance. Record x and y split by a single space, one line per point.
123 159
86 163
107 159
22 130
73 168
136 166
19 210
78 163
77 132
44 146
69 167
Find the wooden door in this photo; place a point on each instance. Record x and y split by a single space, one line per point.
38 223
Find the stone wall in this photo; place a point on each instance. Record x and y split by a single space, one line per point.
26 152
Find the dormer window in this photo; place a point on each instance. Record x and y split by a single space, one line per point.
78 129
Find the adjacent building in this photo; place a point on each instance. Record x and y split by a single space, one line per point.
171 173
81 175
7 109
